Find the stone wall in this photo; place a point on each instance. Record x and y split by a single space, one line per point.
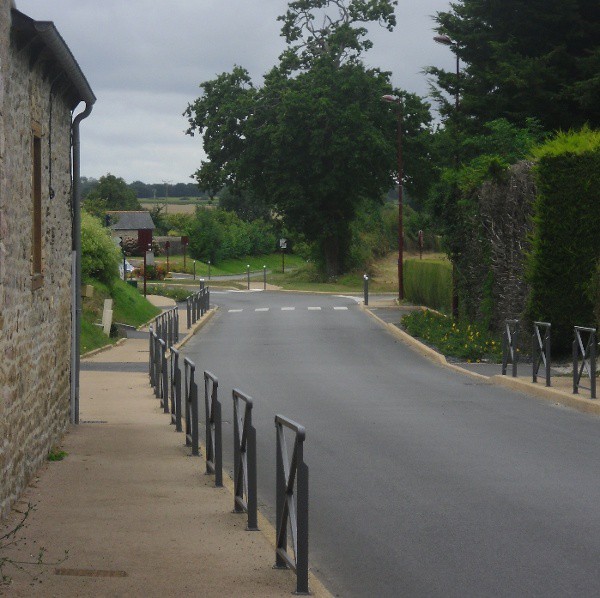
35 325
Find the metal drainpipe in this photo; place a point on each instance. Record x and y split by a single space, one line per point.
76 323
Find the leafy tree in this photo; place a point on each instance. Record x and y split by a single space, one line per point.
114 192
539 58
245 204
315 139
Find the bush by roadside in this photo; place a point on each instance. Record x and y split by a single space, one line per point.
472 342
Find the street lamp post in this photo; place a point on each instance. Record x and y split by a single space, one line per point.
398 101
446 40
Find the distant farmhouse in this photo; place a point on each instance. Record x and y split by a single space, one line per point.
41 85
138 225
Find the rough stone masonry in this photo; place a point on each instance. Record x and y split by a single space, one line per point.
35 323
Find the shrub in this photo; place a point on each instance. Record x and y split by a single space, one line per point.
100 257
154 272
464 340
429 283
565 242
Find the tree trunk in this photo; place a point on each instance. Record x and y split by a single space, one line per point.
331 252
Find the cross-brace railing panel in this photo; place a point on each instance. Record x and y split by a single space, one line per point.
244 458
191 406
214 437
584 347
292 502
541 342
163 375
175 388
510 352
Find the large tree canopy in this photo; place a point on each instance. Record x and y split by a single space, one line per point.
539 58
316 139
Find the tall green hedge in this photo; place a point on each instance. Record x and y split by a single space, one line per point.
566 237
429 283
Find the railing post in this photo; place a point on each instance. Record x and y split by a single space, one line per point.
218 445
252 480
575 365
592 344
151 357
195 436
302 529
178 427
280 489
189 313
165 379
515 353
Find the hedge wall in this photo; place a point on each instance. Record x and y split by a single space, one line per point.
566 237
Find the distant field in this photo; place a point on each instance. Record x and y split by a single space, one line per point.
174 205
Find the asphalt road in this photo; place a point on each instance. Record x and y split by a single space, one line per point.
423 482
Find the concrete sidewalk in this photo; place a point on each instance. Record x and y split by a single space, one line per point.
129 512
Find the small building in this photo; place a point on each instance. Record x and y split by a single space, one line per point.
41 85
137 225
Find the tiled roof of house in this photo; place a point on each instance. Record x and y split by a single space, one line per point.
131 220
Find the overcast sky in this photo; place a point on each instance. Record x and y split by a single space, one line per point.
145 59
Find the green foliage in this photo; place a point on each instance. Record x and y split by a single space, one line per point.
245 204
463 340
130 306
429 283
593 292
566 243
340 35
456 207
111 193
56 455
100 257
217 235
315 139
519 59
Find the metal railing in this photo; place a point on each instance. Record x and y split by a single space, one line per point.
191 407
244 459
540 352
214 437
510 353
197 304
586 349
163 376
166 326
159 374
292 503
175 387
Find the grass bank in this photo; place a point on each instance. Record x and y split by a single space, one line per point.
129 307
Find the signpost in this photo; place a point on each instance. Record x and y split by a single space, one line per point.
148 261
184 243
283 247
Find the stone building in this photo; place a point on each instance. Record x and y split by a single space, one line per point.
41 84
136 225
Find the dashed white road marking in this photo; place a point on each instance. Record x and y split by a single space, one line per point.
262 309
313 308
340 308
234 311
288 309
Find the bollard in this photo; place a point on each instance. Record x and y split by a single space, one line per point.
248 273
366 289
264 278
